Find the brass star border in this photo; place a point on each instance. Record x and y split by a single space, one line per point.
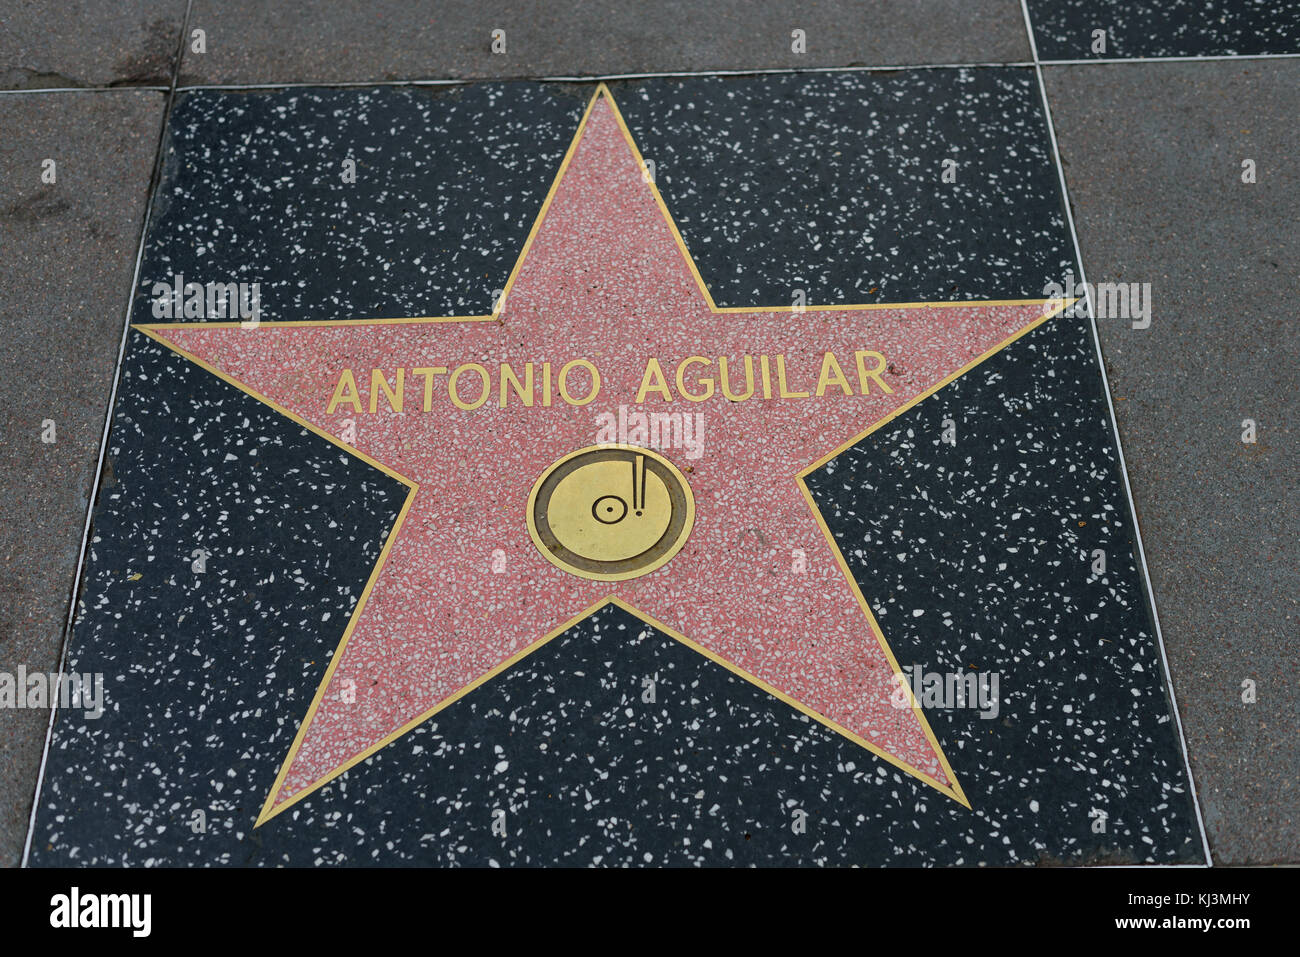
270 809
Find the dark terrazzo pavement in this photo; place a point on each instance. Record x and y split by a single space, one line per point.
843 172
974 558
254 192
1064 29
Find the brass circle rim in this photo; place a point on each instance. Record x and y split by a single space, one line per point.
683 532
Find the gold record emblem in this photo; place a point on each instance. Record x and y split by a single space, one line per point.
610 512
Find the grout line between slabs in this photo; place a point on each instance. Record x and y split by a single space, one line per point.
1204 58
88 89
1114 424
666 74
604 77
155 180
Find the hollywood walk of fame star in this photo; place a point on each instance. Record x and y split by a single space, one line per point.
472 577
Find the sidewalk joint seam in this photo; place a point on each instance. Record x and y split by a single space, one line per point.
88 89
667 74
155 180
1114 424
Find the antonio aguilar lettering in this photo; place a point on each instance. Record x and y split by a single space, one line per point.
577 382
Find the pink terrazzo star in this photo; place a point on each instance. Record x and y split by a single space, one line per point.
462 592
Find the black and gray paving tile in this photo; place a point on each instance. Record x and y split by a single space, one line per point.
974 555
1109 29
358 589
44 45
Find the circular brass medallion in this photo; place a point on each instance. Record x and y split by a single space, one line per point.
610 512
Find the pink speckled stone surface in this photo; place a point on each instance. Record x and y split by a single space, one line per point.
606 281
